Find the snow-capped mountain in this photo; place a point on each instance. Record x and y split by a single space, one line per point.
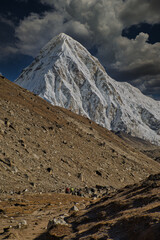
66 74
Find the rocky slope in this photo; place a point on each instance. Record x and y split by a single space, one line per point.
46 148
67 75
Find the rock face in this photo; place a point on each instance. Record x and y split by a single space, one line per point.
66 74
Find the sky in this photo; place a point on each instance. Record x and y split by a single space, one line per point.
123 34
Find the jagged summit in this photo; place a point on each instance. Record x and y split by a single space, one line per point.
57 41
61 38
66 74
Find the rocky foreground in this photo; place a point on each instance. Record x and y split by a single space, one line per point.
130 213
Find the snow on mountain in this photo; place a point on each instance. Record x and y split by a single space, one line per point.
67 75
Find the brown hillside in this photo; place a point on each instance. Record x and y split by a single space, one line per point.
46 148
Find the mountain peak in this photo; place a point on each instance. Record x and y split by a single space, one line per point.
62 43
63 36
58 40
67 75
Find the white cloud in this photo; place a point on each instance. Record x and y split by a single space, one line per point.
34 31
136 53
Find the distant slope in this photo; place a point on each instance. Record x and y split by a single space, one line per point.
67 75
46 148
145 147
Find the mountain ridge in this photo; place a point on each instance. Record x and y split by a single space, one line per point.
67 75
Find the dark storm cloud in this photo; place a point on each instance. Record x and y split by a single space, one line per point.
7 39
22 1
135 11
150 85
93 22
7 32
130 75
99 23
